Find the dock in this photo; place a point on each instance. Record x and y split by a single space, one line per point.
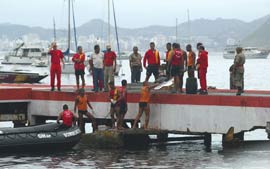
216 113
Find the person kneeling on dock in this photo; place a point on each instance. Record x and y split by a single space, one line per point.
81 103
114 96
68 118
144 104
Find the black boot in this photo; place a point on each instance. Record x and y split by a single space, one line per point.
239 92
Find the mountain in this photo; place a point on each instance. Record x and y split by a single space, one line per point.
260 37
217 31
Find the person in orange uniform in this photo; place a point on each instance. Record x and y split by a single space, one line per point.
109 67
202 65
144 104
153 59
56 57
114 96
191 60
168 54
81 103
79 66
176 61
67 116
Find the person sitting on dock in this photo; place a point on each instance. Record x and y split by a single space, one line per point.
144 104
56 56
79 66
123 104
81 103
114 96
68 118
153 59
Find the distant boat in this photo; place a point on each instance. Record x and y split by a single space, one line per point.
250 52
20 76
24 55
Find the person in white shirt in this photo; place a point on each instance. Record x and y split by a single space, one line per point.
96 66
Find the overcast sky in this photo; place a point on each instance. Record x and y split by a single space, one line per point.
130 13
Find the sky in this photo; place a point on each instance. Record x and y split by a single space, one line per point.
129 13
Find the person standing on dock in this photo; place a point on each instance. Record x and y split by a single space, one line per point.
114 96
202 65
237 71
81 103
191 59
183 68
168 55
176 61
79 66
144 104
152 57
68 118
96 65
109 67
123 104
56 57
135 63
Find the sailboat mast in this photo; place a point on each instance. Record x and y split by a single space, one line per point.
109 24
54 30
69 25
176 30
74 26
189 26
116 30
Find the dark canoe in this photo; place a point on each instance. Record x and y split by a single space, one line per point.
20 77
46 137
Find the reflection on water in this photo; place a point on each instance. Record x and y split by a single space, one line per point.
189 155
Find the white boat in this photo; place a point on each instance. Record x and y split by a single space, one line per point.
24 55
249 52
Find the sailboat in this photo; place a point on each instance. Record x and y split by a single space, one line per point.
118 65
69 65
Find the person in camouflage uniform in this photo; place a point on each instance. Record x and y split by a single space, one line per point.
237 71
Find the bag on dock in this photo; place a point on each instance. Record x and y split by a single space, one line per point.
191 85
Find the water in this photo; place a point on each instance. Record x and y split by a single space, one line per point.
190 155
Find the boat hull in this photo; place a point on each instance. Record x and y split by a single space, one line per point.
253 56
45 137
19 77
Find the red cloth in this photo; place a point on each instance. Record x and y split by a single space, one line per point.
178 58
79 65
202 77
56 56
109 58
203 59
56 70
67 118
150 57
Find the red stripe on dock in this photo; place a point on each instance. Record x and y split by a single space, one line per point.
210 100
15 94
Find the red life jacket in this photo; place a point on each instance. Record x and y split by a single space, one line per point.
67 118
177 58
